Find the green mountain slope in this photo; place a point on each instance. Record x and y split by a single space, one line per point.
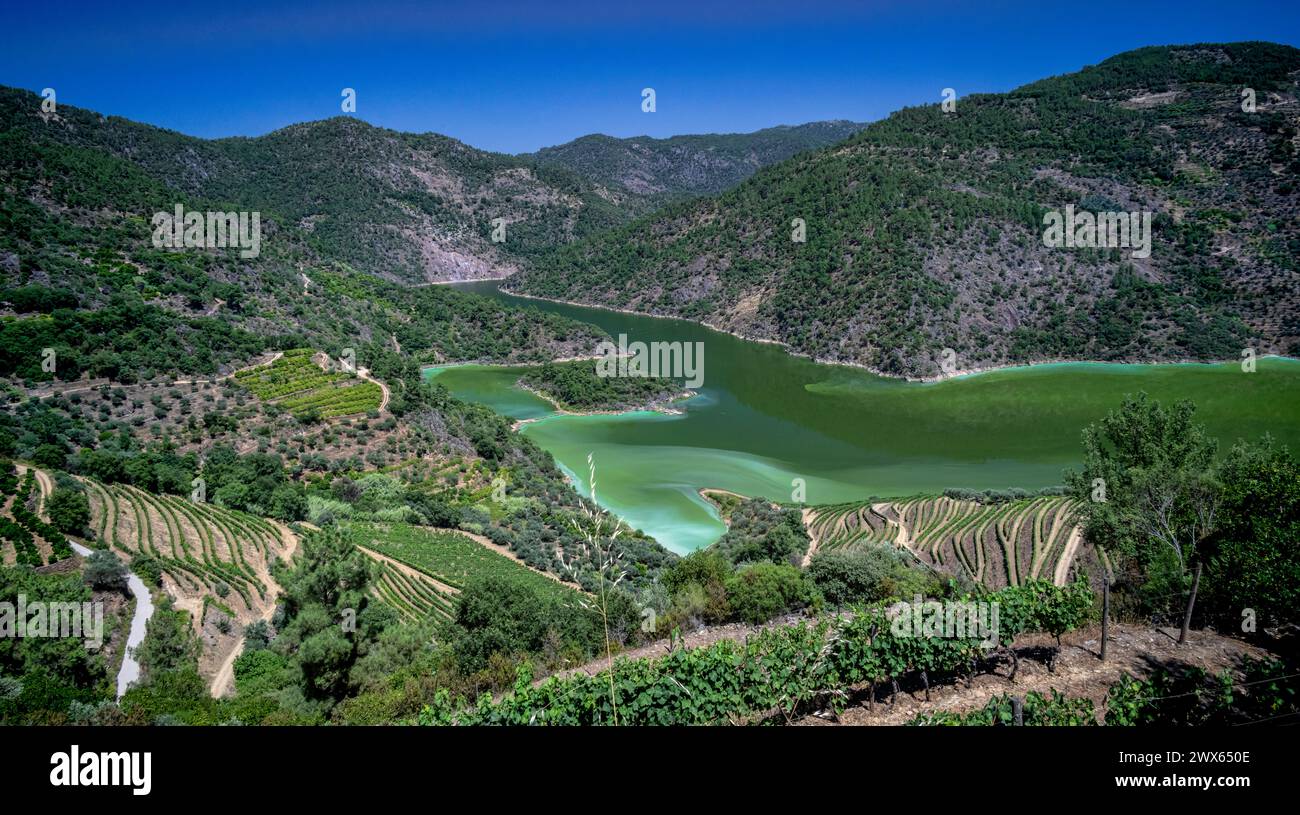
80 274
924 231
106 341
407 207
640 174
414 207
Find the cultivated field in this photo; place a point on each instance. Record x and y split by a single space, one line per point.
215 562
25 538
298 383
996 544
422 569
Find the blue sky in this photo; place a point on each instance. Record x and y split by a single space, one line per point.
514 76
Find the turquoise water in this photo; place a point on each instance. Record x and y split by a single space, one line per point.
764 418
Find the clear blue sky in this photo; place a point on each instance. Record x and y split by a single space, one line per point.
514 76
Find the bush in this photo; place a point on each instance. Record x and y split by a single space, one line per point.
50 456
760 592
702 567
104 570
1254 557
147 568
878 573
257 636
501 616
69 511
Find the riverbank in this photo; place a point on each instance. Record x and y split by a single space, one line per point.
941 377
561 410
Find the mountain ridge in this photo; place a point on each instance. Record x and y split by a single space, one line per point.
924 230
644 172
408 207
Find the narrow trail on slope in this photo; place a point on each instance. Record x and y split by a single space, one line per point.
364 373
805 516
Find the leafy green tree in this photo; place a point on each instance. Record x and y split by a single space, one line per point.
104 570
760 592
50 456
1254 557
175 696
877 573
702 567
148 568
329 619
497 615
47 673
1148 483
69 511
169 643
288 503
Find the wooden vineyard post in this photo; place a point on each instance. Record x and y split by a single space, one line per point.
1017 711
1105 615
1191 601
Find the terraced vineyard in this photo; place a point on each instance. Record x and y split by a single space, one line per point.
997 544
298 384
200 547
850 526
423 569
410 592
25 539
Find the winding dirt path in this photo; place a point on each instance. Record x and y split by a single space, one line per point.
224 377
805 517
504 551
364 373
223 681
904 534
46 486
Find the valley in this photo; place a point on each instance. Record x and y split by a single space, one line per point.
764 418
802 424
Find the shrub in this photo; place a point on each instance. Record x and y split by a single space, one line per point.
148 568
69 511
878 573
702 567
50 456
104 570
760 592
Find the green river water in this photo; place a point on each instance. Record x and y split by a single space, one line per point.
764 418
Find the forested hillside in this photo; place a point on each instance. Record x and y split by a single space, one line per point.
408 207
924 231
404 206
641 173
116 355
79 271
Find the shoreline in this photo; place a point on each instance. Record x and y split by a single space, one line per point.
453 282
563 411
432 366
943 377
